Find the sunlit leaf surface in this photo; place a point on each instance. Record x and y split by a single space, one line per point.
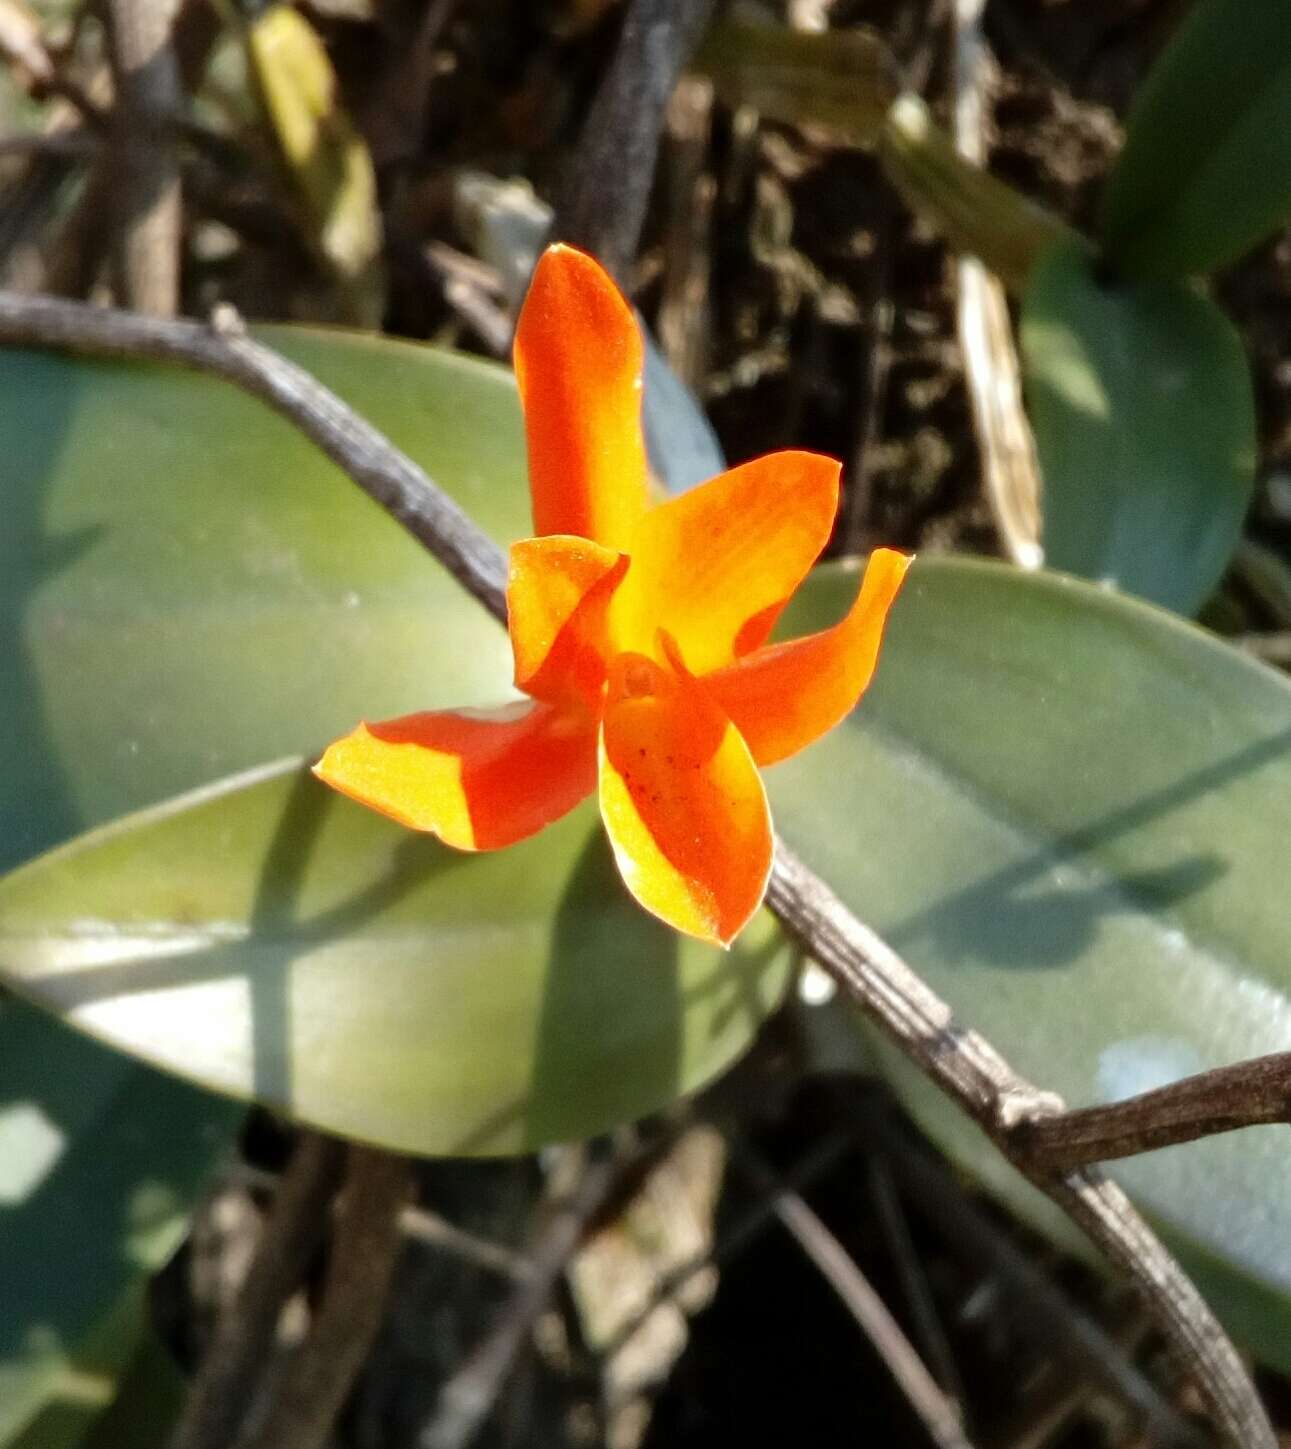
1068 811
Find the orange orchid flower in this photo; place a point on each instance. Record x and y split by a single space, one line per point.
639 635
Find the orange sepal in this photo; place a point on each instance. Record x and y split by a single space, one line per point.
683 803
783 696
479 780
715 566
578 361
558 594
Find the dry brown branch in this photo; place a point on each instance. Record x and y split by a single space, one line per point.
22 43
1042 1307
149 96
364 1249
691 191
895 1227
468 1397
974 1074
604 204
1247 1094
230 1370
1010 469
938 1414
872 975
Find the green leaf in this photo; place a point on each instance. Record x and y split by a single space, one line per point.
1079 801
224 596
1205 172
1144 421
975 211
270 939
188 588
1068 811
841 80
100 1159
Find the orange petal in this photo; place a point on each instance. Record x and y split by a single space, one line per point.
557 598
682 802
578 360
478 780
784 696
716 566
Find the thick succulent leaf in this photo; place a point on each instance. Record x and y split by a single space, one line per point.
225 596
99 1161
1068 810
1074 799
1205 172
188 588
1140 397
270 939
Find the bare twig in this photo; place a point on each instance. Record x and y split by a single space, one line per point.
468 1397
1273 648
956 1058
223 348
435 1231
938 1414
683 309
1011 471
22 43
149 95
225 1384
970 1070
420 1225
396 121
1247 1094
365 1247
76 144
604 204
914 1279
1036 1301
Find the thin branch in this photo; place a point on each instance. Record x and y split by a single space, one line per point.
352 443
956 1058
1010 468
938 1414
604 204
468 1397
149 93
1038 1304
434 1230
22 43
965 1066
1246 1094
895 1228
231 1368
364 1249
420 1225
